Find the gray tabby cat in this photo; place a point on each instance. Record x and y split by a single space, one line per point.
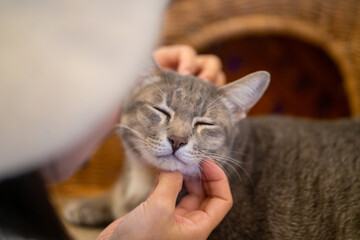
299 179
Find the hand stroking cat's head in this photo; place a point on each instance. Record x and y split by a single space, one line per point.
173 122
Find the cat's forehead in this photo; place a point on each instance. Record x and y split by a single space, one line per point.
190 86
185 92
186 96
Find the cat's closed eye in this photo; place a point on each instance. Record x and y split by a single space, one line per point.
203 124
164 112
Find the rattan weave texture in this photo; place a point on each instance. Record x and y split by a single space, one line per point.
334 25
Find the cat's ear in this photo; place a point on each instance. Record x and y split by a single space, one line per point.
150 73
240 96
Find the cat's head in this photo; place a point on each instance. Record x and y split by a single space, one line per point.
173 122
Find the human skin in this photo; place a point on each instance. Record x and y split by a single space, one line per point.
185 60
197 214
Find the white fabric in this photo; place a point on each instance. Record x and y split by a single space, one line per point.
64 65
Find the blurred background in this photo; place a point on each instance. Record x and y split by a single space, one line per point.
310 47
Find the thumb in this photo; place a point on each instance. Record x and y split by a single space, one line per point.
168 187
108 231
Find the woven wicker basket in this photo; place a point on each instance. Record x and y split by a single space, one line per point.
332 25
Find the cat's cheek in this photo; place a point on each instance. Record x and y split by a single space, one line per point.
142 119
212 142
212 136
150 120
216 142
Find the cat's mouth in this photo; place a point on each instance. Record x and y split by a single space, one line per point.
171 157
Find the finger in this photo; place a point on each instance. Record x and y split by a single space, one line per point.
166 57
208 66
168 188
108 231
176 57
218 201
193 199
220 79
186 64
156 182
215 182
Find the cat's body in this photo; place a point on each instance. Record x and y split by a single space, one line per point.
302 180
292 178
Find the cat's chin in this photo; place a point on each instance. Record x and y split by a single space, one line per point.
172 163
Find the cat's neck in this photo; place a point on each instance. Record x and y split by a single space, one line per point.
242 138
243 146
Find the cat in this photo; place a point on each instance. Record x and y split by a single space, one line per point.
290 178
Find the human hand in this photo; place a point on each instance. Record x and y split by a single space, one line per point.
185 60
197 214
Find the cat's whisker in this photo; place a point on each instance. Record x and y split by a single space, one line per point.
229 169
202 170
230 162
137 133
214 106
199 172
228 159
205 162
143 141
240 153
161 91
229 172
139 147
214 100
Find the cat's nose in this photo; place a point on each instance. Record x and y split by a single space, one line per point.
177 142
